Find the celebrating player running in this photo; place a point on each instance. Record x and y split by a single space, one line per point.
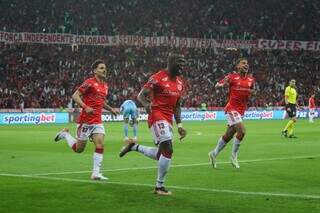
241 85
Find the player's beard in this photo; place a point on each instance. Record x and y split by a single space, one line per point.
102 77
244 70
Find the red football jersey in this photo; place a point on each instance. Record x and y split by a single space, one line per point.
166 93
312 105
94 95
239 92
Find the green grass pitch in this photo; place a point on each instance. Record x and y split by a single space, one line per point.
276 174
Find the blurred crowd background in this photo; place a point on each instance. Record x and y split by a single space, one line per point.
45 76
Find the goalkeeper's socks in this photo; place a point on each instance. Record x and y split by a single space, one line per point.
150 152
163 167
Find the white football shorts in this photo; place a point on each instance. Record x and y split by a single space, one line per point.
233 117
85 131
161 131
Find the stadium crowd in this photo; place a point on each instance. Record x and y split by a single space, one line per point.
273 19
44 76
34 75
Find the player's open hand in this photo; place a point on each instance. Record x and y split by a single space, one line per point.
89 110
182 132
114 111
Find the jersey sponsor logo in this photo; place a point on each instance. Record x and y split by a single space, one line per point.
165 79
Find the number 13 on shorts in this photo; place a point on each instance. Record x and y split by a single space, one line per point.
161 131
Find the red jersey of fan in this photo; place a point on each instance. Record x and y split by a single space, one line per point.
312 105
239 92
166 93
94 95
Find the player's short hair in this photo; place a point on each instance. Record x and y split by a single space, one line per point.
176 58
95 64
240 59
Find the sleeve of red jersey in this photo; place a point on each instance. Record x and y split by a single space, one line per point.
222 81
151 82
84 87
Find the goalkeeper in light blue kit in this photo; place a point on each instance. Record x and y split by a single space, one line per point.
129 109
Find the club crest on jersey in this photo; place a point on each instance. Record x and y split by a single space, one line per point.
165 79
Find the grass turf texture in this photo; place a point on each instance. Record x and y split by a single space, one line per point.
283 175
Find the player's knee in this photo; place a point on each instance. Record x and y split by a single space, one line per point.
167 153
99 146
240 135
226 138
166 149
79 149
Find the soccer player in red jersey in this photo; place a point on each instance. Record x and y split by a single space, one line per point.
91 96
165 88
241 85
312 107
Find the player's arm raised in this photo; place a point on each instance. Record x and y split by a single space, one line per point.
110 109
177 116
143 99
77 98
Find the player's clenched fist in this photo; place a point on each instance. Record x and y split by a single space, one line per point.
182 132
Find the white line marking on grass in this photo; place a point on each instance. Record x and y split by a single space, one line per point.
179 165
272 194
198 133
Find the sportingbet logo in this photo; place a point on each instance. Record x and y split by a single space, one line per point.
198 116
258 115
29 118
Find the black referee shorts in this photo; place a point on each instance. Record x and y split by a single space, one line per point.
291 110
